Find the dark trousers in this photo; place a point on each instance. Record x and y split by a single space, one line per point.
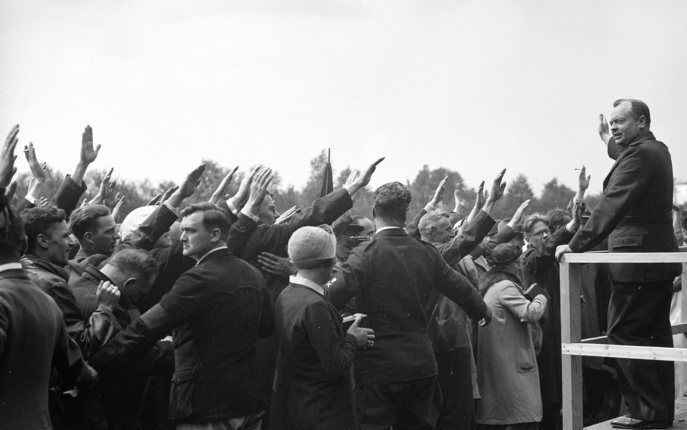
408 405
455 380
639 314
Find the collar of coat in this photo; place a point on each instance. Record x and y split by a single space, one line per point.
30 260
391 231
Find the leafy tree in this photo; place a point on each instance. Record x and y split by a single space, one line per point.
554 195
517 192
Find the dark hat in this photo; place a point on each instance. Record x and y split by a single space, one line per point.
504 253
346 225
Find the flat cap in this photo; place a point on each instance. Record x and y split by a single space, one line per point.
504 253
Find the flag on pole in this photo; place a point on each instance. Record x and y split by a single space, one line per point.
327 180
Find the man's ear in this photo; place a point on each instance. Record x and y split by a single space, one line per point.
642 121
128 284
42 241
88 237
216 235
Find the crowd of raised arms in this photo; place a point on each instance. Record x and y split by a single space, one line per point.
228 315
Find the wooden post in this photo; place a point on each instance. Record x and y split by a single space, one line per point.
571 333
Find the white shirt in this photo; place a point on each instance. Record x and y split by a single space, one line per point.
307 283
387 228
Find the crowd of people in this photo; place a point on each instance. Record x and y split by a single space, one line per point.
229 315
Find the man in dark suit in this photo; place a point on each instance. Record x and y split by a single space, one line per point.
635 214
393 277
218 310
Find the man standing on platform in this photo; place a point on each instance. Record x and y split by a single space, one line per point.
635 214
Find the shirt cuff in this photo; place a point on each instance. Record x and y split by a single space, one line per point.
253 217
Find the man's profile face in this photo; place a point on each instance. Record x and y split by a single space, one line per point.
443 230
104 236
195 239
59 241
624 127
267 212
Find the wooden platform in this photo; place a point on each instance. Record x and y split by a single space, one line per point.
680 422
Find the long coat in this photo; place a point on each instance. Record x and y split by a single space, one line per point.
33 338
506 362
314 378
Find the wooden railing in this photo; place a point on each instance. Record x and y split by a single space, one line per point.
573 347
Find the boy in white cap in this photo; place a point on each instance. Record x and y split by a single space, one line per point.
313 386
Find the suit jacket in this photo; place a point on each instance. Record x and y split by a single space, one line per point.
33 337
394 277
218 309
313 387
635 211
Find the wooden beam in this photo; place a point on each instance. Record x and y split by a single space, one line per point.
624 351
571 332
625 257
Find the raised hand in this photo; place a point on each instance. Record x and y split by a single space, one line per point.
11 190
37 170
117 210
88 152
167 194
258 190
239 199
583 180
519 212
187 188
105 190
457 199
7 157
222 187
155 200
497 187
363 179
604 129
439 193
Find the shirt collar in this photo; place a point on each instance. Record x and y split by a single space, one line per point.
213 250
307 283
387 228
10 266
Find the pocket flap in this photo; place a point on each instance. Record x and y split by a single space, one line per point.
628 240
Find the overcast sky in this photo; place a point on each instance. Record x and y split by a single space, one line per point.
473 86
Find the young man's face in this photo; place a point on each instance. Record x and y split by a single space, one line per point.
195 239
104 236
267 213
540 232
58 241
624 127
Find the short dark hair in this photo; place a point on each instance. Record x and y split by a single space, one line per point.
638 108
134 260
391 201
84 219
12 239
557 218
39 220
213 217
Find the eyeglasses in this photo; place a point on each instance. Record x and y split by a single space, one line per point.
540 233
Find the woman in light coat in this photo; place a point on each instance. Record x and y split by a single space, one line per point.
506 362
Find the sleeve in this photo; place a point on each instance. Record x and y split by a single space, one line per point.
626 184
459 290
467 239
346 283
68 195
67 357
517 304
157 224
240 232
324 210
336 354
90 335
4 324
412 227
23 205
181 303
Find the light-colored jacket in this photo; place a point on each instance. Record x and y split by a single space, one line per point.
506 362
